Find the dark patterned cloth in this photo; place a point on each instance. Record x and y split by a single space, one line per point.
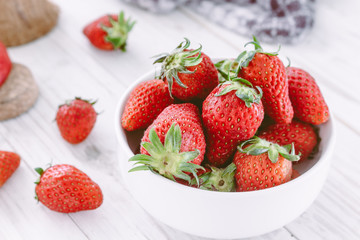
273 21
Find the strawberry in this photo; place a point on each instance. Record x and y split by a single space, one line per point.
194 73
5 64
262 164
268 72
145 103
231 113
302 135
76 119
306 98
109 32
9 162
174 144
64 188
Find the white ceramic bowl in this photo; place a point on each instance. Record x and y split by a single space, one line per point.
218 214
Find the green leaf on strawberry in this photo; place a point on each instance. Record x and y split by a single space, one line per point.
245 57
226 67
219 179
166 159
117 34
244 89
177 62
256 146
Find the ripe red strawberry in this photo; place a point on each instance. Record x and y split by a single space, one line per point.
302 135
76 119
194 73
175 143
109 32
231 113
262 164
64 188
5 64
145 103
9 162
306 98
267 71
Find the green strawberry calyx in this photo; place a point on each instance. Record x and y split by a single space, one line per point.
227 65
166 159
40 171
244 89
259 49
177 62
117 34
245 57
256 146
69 101
219 179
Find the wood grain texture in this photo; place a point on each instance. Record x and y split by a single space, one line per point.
65 65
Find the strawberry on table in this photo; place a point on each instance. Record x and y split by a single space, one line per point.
302 135
109 32
64 188
267 71
5 64
174 144
9 162
190 74
145 103
306 98
76 119
261 164
231 113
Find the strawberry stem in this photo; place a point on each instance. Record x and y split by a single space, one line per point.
245 57
244 89
177 62
256 146
219 179
40 171
117 34
166 159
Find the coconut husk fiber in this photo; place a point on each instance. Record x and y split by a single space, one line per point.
22 21
19 92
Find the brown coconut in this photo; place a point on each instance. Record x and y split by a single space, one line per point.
19 92
22 21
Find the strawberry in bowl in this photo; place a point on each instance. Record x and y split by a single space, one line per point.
180 198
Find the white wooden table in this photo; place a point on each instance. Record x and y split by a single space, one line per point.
66 65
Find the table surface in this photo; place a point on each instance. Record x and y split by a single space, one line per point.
65 65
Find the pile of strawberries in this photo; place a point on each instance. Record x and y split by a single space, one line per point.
236 125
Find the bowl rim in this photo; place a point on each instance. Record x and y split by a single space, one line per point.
121 139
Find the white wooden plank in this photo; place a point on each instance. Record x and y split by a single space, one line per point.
153 34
